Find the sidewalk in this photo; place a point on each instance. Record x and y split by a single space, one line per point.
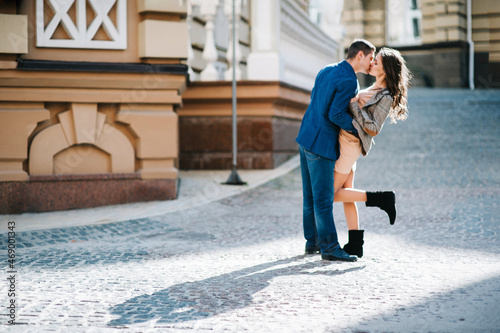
230 259
196 188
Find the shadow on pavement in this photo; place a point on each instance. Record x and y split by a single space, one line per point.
227 292
471 308
97 244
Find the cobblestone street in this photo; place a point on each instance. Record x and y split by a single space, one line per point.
237 264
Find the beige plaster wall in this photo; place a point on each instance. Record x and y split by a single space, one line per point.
13 34
156 129
82 159
154 43
17 121
63 122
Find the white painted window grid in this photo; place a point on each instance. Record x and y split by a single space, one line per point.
82 35
404 22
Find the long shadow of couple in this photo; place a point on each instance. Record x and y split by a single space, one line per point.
227 292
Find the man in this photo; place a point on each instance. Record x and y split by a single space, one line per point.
334 87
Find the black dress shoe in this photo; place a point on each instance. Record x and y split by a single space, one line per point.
338 254
313 250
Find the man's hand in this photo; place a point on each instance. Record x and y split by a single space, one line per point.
354 99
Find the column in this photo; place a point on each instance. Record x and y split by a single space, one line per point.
331 22
264 60
189 20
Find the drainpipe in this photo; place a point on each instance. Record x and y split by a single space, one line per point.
471 44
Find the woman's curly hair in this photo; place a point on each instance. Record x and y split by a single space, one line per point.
397 79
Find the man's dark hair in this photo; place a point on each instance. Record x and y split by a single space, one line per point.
360 45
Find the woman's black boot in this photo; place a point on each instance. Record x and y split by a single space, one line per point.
385 201
355 244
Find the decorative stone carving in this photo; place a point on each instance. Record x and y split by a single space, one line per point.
82 125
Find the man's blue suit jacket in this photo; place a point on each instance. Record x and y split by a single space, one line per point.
334 87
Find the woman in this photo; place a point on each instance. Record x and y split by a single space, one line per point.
387 97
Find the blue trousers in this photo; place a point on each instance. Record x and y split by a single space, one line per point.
317 187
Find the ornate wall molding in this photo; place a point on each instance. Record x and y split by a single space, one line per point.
81 30
81 125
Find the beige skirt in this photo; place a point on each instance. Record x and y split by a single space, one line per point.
350 149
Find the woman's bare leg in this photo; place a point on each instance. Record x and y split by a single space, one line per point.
355 244
339 180
383 200
344 192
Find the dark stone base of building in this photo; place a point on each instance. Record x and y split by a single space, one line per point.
438 65
263 142
63 192
486 73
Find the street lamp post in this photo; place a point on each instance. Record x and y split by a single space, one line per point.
234 178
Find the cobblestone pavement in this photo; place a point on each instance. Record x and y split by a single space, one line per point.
236 264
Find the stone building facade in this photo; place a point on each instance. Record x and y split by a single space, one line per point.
88 93
433 37
103 101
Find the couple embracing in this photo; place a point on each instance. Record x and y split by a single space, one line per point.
338 127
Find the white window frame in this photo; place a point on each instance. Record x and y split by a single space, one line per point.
82 35
399 19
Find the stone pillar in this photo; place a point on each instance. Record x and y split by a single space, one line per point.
264 61
161 38
330 23
13 34
190 53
